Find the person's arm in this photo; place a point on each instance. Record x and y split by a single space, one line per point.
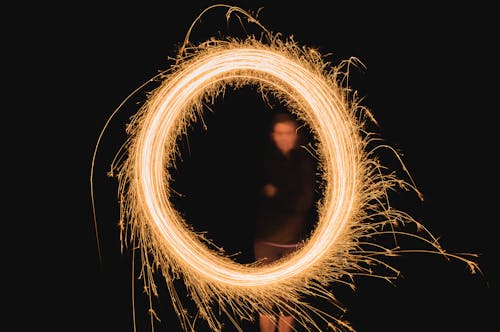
306 197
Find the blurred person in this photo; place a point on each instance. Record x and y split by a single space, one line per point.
285 203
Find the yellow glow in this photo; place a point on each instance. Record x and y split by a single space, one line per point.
353 210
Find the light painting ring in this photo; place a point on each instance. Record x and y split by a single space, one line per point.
322 107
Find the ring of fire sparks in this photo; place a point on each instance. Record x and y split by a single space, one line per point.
354 207
350 178
324 108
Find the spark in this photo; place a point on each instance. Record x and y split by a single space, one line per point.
354 209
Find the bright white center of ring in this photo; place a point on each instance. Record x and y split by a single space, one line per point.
324 109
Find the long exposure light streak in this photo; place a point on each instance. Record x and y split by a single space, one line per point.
353 210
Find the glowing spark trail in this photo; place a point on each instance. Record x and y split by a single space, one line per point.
353 210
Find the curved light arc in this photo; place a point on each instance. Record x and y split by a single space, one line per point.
325 109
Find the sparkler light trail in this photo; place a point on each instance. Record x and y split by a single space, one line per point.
353 210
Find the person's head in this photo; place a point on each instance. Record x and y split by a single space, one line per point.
284 132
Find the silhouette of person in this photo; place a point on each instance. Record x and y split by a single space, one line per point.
285 203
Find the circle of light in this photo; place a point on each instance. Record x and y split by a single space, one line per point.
320 104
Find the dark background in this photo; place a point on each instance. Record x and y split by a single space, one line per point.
428 81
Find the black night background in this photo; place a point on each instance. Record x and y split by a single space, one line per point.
425 81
